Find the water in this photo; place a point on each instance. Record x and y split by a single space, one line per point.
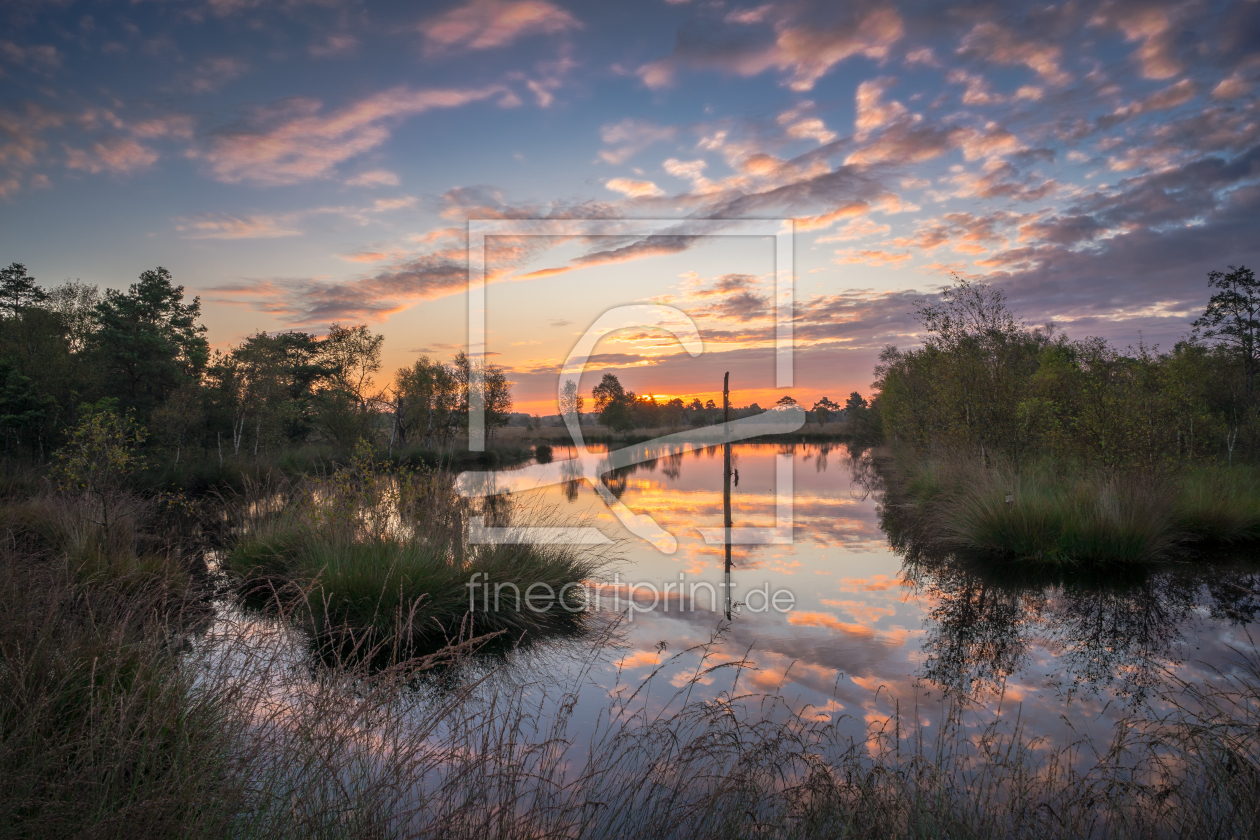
871 633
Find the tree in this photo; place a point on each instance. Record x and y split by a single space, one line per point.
97 461
823 409
613 402
786 399
1232 317
350 355
672 412
571 402
22 408
854 403
75 303
18 290
495 396
967 312
426 401
149 342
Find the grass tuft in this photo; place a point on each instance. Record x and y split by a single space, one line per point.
1043 515
380 554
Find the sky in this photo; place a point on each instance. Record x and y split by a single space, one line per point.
307 162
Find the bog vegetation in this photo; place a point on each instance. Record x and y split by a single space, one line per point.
1017 442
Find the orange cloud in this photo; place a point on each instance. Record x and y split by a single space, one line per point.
829 621
486 24
634 189
235 227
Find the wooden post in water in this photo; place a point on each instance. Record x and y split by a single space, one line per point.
726 480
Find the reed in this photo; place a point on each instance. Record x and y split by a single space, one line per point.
1045 514
386 554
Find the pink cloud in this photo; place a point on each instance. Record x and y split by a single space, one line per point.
294 141
875 258
374 178
999 45
487 24
213 73
119 155
872 111
806 49
1155 27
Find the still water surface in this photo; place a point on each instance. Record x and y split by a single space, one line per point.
871 631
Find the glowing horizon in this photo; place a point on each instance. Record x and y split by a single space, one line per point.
298 166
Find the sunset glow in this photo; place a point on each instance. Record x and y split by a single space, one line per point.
303 164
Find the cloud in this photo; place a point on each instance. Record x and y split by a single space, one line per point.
488 24
312 302
335 46
800 125
32 57
805 43
293 140
1154 25
224 226
211 74
995 43
116 155
855 229
634 189
374 178
629 137
876 258
872 111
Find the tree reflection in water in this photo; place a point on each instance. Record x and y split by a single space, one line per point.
1118 629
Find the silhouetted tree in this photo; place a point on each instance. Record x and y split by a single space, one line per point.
1233 317
148 341
613 403
18 290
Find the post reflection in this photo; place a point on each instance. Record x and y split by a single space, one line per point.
874 612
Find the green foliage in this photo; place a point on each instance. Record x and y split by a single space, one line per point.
1045 514
97 460
427 400
1232 318
986 384
148 341
23 410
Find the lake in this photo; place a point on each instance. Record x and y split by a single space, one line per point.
871 632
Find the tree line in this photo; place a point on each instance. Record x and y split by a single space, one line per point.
987 383
73 351
621 410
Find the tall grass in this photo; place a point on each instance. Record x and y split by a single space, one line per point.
1043 513
503 763
377 554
